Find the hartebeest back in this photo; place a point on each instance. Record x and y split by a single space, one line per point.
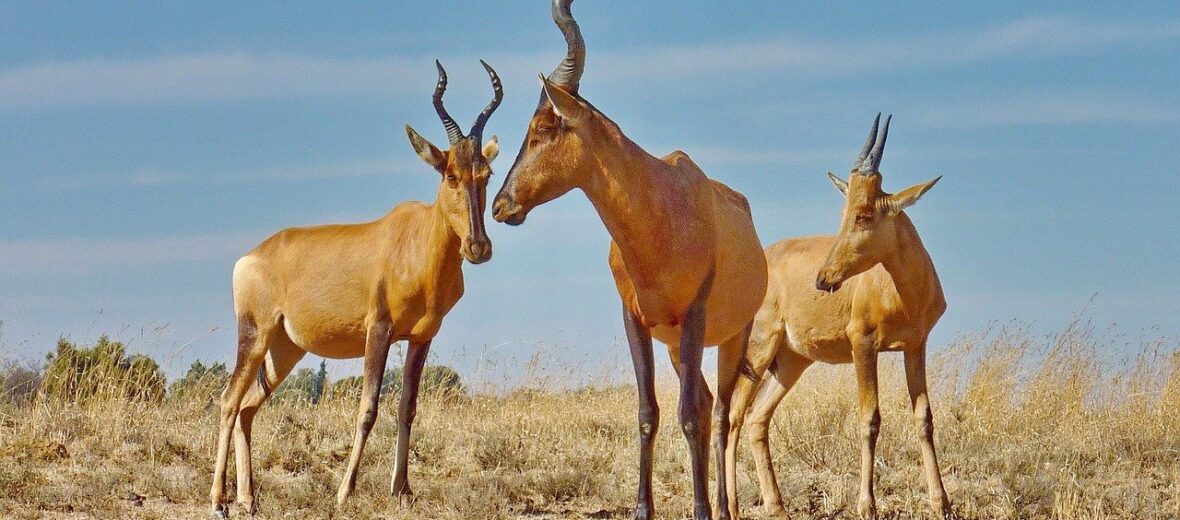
684 254
877 291
346 291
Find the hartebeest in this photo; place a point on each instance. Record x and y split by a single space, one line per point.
877 292
346 291
684 254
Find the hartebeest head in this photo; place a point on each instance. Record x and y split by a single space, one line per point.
465 168
560 135
868 228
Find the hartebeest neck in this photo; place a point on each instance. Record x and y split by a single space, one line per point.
625 188
912 270
436 247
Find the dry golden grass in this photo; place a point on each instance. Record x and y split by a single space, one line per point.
1064 427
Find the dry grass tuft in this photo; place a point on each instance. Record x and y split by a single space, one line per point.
1073 426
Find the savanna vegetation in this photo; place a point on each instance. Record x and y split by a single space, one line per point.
1077 425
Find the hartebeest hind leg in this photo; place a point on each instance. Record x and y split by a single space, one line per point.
253 342
694 418
864 360
729 360
407 408
376 352
784 373
639 338
279 361
915 374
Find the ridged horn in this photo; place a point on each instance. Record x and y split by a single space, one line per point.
497 97
569 72
874 160
864 152
454 133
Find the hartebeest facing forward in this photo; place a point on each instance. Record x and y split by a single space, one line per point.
346 291
684 254
877 291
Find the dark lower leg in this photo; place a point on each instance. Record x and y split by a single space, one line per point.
406 410
639 339
693 422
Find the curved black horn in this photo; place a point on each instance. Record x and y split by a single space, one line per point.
864 152
454 133
482 119
874 160
569 73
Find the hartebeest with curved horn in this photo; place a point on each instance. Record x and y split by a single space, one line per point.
877 292
346 291
684 254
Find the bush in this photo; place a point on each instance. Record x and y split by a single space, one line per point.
305 385
200 382
435 378
104 371
19 382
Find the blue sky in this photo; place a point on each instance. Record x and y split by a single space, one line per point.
143 148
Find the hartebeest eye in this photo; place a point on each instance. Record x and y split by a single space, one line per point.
864 218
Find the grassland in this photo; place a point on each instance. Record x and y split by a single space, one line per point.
1070 426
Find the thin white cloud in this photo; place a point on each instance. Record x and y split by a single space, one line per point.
148 177
1050 108
82 256
247 76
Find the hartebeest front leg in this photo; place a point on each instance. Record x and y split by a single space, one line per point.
915 374
376 351
864 359
406 409
693 422
639 338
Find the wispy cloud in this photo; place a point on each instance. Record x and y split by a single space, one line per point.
247 76
149 177
82 256
1050 108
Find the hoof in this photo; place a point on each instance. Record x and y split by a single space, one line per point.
944 511
643 512
867 509
251 507
220 511
777 512
703 513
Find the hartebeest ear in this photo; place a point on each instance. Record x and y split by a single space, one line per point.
427 151
838 183
491 149
564 104
907 197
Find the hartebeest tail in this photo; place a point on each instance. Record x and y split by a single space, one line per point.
686 260
843 299
346 291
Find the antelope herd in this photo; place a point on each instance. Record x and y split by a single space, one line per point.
686 261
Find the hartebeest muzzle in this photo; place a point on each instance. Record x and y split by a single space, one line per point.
828 280
506 210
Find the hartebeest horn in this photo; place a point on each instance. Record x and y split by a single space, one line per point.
454 133
873 162
864 152
569 73
498 89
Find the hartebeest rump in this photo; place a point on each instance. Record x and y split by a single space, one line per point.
876 291
684 253
346 291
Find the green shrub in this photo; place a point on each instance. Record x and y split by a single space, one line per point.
79 374
202 382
